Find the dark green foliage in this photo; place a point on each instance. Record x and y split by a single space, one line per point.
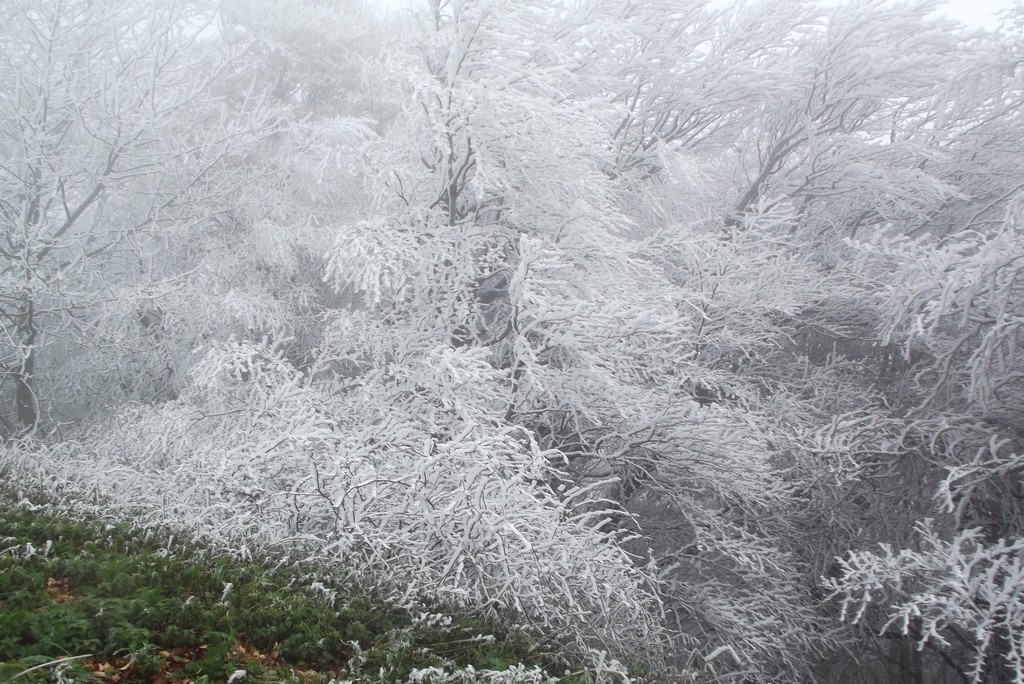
130 607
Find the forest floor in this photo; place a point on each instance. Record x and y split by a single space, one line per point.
88 601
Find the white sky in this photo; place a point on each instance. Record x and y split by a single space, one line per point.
975 13
978 13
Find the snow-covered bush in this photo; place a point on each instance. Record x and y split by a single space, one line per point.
253 456
965 590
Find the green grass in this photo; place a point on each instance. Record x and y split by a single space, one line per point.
85 601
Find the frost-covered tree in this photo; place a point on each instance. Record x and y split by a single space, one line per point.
953 585
843 142
113 137
255 270
842 148
508 236
386 446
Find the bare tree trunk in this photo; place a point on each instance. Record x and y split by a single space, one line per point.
905 663
25 396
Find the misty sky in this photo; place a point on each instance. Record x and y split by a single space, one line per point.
976 12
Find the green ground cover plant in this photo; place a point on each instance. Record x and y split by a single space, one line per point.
83 600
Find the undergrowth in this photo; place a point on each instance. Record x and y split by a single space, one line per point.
87 601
